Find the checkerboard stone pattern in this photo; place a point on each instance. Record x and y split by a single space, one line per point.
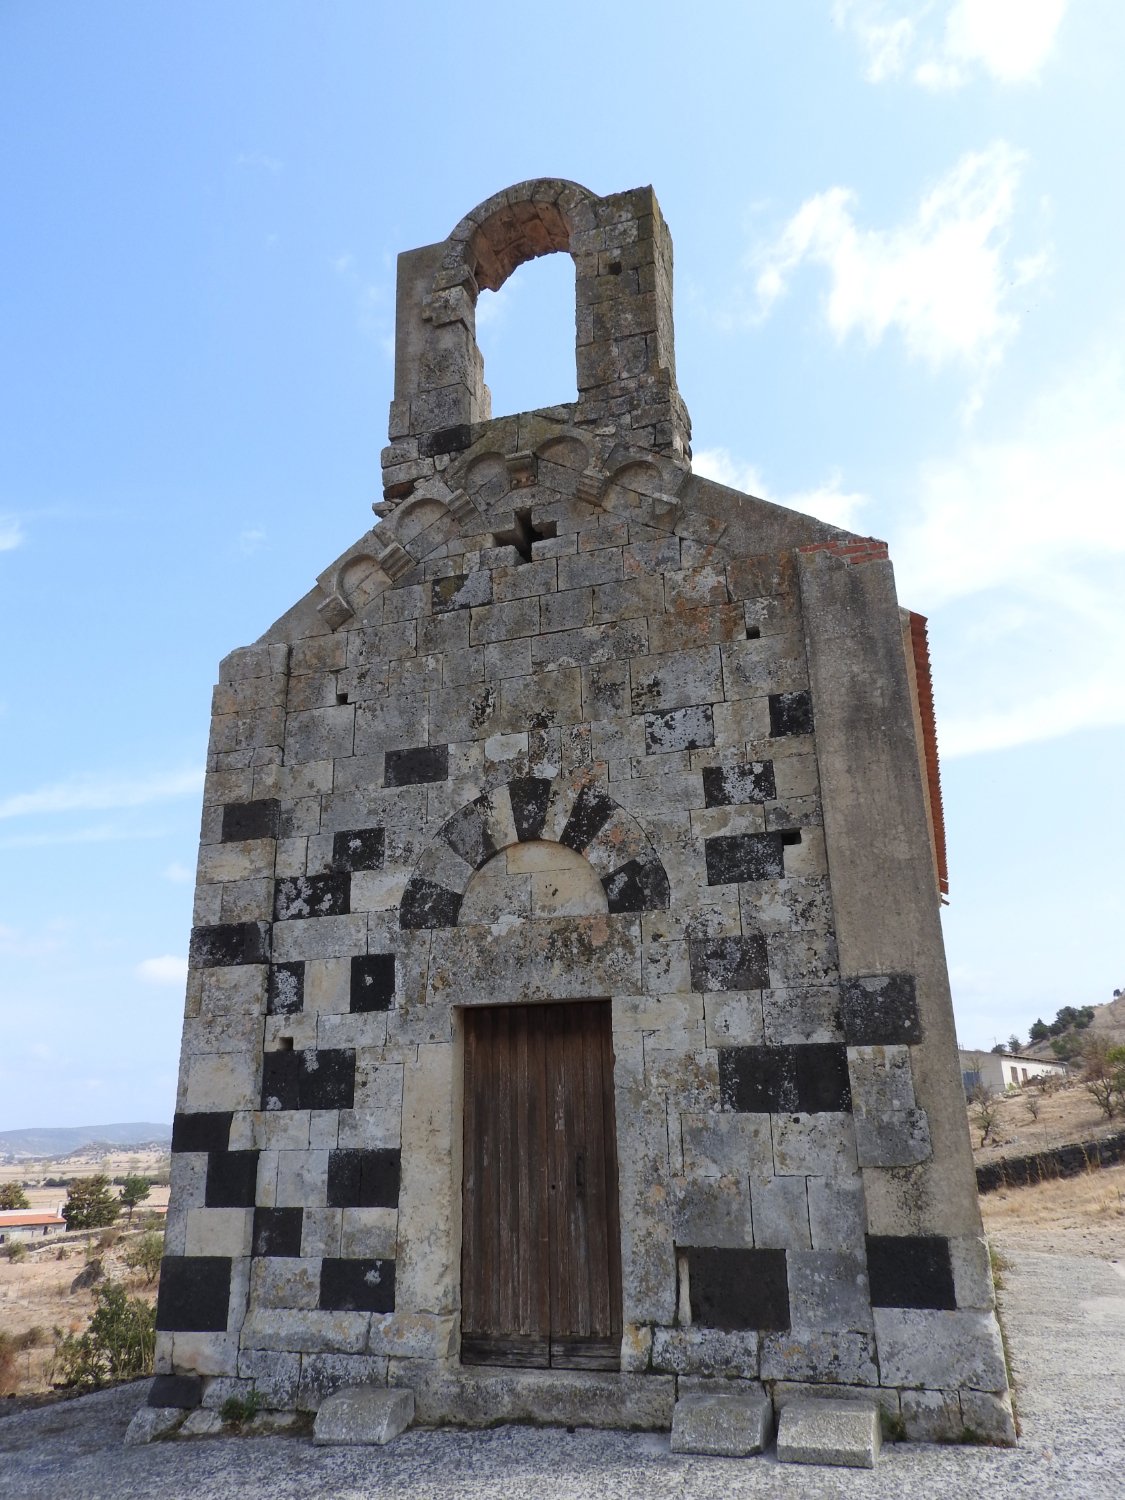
558 638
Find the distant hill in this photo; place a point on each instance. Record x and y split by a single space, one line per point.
1108 1021
59 1141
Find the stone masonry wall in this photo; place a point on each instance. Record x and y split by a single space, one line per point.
549 732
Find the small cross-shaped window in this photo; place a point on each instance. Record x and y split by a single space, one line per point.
523 533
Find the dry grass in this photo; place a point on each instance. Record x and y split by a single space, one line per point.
1065 1114
1083 1215
35 1293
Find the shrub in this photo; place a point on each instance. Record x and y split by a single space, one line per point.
239 1409
12 1195
145 1256
9 1378
118 1345
15 1250
1105 1075
31 1338
107 1240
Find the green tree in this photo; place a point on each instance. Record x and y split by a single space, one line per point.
134 1190
1040 1031
12 1195
90 1203
1014 1044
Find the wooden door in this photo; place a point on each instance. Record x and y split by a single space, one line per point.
541 1257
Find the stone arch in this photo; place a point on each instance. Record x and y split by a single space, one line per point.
533 218
569 810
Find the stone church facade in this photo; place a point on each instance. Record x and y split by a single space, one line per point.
567 1023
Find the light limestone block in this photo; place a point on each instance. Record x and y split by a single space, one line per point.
218 1231
729 1426
844 1433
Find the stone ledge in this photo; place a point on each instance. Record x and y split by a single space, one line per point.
468 1396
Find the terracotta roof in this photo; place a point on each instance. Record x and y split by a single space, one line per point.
920 643
17 1218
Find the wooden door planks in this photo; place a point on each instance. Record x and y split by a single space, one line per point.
541 1269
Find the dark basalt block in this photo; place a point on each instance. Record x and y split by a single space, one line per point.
735 786
758 1080
738 1289
446 440
232 1179
321 1078
373 982
639 885
357 1285
529 797
880 1010
732 858
805 1078
412 767
728 963
592 810
194 1295
364 1178
285 992
208 1130
910 1270
467 834
229 943
313 896
184 1391
425 904
250 820
791 713
359 849
277 1231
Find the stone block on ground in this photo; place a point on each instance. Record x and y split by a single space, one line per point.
845 1433
729 1426
202 1423
364 1414
152 1422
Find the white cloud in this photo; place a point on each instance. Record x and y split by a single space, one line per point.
941 46
167 969
1017 551
101 833
260 160
941 279
87 793
250 540
177 873
828 501
11 533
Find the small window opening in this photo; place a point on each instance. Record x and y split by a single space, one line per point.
525 333
341 699
753 632
615 268
790 836
285 1044
524 533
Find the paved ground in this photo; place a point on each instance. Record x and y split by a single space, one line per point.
1066 1322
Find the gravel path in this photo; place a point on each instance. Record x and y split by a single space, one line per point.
1065 1317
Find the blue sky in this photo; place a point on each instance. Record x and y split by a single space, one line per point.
900 298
